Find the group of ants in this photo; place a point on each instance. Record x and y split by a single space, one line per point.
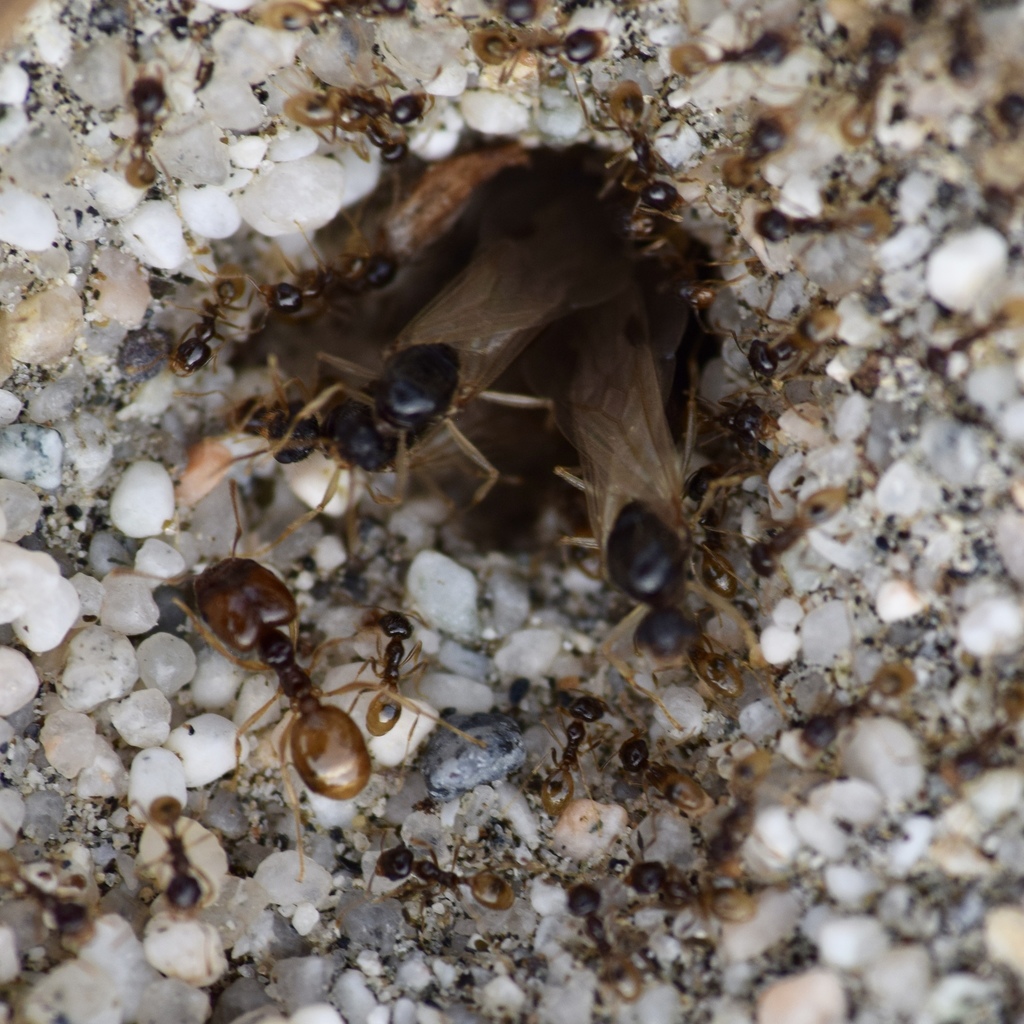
609 400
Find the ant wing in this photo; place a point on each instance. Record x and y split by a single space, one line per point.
613 412
511 290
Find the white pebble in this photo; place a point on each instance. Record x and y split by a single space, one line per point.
143 718
128 606
330 553
12 816
21 508
10 408
494 113
992 626
216 680
900 981
900 491
502 997
850 885
311 479
885 753
444 690
683 714
155 773
825 633
815 997
853 801
775 919
188 950
114 949
587 830
19 682
788 614
53 611
299 195
101 665
143 502
965 266
528 652
158 560
10 962
68 740
546 897
851 943
305 918
206 746
76 992
896 600
14 83
26 221
444 593
153 233
317 1013
779 646
113 196
773 841
166 662
278 874
995 794
209 212
104 776
820 833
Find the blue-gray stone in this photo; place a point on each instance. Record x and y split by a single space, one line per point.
31 455
452 765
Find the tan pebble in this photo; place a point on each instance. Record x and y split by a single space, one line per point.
123 289
187 950
815 997
1004 937
42 330
586 829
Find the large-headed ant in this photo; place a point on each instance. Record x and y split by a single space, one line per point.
487 887
244 605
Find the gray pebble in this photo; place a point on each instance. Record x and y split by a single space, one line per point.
451 766
31 455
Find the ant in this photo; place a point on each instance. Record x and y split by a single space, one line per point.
680 790
584 901
57 895
768 135
487 887
869 223
194 350
147 98
771 47
814 510
503 46
164 850
557 788
882 48
243 604
793 350
296 15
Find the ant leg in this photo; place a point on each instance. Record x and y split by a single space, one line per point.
292 794
514 401
589 543
306 517
570 478
473 453
249 723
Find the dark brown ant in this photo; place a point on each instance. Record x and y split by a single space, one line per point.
487 887
870 223
557 789
768 135
677 788
619 972
243 604
882 49
813 511
792 351
147 98
58 895
195 349
771 47
502 46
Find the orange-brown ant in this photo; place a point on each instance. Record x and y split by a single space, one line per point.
679 789
557 788
813 511
771 47
487 887
618 971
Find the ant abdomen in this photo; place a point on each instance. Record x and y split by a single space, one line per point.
329 752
